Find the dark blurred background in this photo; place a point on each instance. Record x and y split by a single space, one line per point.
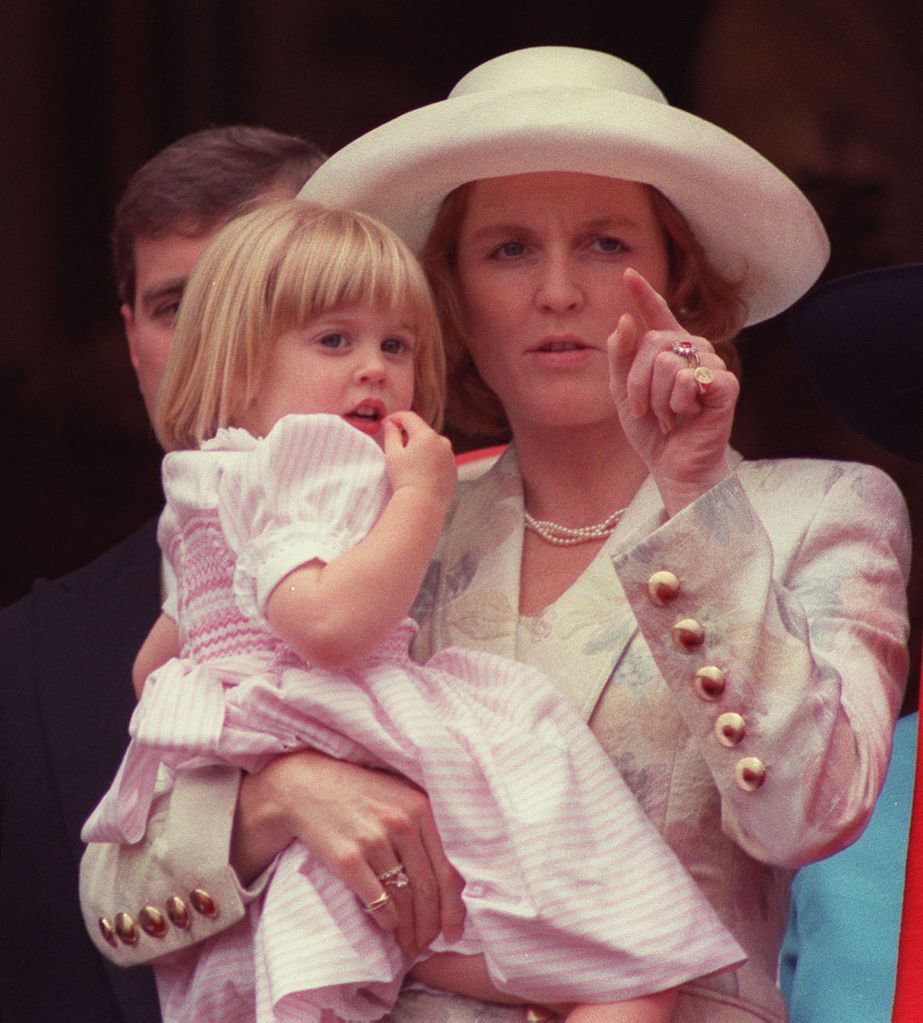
830 90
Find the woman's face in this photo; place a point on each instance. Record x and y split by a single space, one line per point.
540 264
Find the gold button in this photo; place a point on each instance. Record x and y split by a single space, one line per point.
178 912
688 634
203 903
709 683
152 922
107 930
125 929
730 728
663 588
750 773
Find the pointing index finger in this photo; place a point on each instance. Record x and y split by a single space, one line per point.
652 307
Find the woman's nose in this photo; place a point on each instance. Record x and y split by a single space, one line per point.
559 288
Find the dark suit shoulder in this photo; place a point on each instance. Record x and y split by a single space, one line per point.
136 554
67 649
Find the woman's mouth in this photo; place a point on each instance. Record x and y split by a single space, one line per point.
561 350
560 343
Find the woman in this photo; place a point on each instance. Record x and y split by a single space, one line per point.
733 633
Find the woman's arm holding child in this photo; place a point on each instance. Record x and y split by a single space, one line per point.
333 614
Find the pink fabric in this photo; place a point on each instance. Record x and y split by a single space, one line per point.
571 893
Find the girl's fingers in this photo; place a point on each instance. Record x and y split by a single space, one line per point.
406 422
393 436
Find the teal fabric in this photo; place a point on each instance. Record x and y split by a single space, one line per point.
839 956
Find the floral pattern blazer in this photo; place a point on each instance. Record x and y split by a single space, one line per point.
742 663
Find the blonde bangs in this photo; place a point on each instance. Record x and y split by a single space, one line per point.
344 258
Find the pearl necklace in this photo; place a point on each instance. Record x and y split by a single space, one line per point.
567 536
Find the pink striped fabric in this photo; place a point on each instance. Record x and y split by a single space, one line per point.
571 893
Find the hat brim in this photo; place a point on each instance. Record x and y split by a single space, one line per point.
753 222
860 339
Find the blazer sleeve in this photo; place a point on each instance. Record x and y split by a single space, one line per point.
175 887
783 642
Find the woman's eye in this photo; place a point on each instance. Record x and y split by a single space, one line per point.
508 250
332 341
395 346
606 243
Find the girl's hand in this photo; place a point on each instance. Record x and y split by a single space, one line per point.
358 823
678 429
420 458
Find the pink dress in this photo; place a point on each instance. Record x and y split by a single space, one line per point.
571 893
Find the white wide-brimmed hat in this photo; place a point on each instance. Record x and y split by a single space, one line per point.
559 108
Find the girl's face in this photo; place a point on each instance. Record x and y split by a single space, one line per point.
541 259
356 362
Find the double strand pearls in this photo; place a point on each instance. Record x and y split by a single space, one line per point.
568 536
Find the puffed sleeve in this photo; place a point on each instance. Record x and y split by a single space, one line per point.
175 887
776 614
311 490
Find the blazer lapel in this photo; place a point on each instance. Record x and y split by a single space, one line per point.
476 603
602 655
477 600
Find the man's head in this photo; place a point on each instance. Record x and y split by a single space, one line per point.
171 208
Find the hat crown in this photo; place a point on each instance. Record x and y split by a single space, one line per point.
569 67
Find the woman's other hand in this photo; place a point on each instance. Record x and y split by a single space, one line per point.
679 427
359 823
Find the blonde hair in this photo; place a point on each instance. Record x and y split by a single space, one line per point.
271 271
703 300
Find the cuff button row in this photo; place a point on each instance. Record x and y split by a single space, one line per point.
153 922
709 681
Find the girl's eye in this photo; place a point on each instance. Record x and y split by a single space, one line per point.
395 346
606 243
508 250
332 341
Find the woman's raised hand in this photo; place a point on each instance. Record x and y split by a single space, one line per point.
679 426
360 824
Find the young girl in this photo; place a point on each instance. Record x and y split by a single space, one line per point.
304 501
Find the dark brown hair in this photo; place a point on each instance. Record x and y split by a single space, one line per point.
707 304
201 182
